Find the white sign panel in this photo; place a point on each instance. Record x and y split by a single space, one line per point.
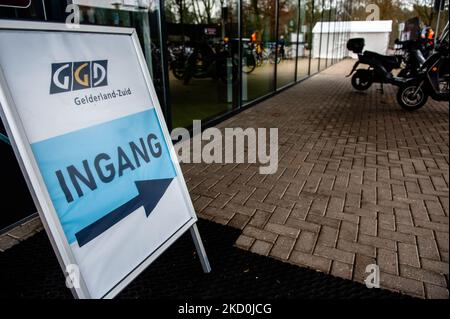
88 129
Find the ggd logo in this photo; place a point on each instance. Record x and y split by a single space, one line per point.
74 76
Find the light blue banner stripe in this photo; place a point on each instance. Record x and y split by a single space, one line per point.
82 147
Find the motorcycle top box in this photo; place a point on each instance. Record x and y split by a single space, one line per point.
356 45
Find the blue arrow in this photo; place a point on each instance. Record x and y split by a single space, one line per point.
150 193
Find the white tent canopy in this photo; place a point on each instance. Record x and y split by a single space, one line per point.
375 33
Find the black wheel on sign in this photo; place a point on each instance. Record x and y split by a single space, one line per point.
411 97
362 80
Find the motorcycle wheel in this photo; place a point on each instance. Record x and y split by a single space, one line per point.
362 80
411 98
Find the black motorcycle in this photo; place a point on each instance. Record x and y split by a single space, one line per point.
379 66
431 81
413 54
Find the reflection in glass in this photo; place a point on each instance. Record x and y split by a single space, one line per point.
330 30
259 43
323 35
203 58
316 36
287 41
146 23
304 36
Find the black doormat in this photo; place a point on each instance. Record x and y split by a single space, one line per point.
30 270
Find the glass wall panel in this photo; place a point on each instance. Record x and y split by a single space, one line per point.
287 41
327 32
258 39
323 36
315 35
304 39
34 12
331 31
203 58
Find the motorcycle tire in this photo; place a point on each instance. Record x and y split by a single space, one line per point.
362 80
410 98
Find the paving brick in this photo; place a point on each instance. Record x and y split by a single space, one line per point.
260 219
327 236
240 209
386 221
320 220
335 254
436 266
245 242
280 215
402 284
368 226
427 248
306 241
283 230
239 221
303 225
377 242
366 250
6 242
361 263
315 262
408 255
436 292
442 240
261 247
348 231
423 275
396 236
283 247
260 205
343 270
428 233
201 203
25 231
387 260
260 234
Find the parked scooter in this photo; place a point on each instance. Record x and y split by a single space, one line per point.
380 66
431 81
413 55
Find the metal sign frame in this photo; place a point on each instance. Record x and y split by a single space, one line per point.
34 179
16 6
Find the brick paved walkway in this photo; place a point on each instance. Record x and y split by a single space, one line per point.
360 181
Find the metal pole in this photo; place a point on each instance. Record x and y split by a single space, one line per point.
167 105
200 249
5 139
437 25
44 9
297 43
275 80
